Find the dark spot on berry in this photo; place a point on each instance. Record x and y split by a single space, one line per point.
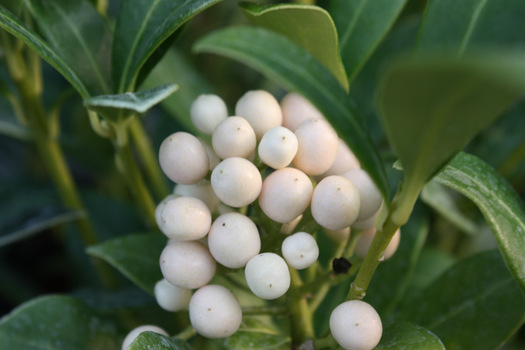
357 324
341 265
339 188
302 256
220 172
209 309
223 224
284 137
270 285
238 129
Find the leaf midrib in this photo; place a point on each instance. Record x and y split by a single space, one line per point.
472 24
85 48
352 25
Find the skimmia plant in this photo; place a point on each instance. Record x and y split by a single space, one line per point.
206 174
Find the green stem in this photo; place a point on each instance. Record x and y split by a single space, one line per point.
148 156
300 314
186 333
127 166
264 310
325 343
400 211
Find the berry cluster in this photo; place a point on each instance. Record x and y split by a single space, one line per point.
279 160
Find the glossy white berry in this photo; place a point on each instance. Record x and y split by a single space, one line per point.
338 236
318 143
187 264
136 332
365 225
233 137
365 240
215 312
285 194
170 297
267 276
183 158
185 219
289 227
345 160
207 111
296 109
160 206
201 190
356 325
278 147
233 240
300 250
261 110
236 181
371 198
335 203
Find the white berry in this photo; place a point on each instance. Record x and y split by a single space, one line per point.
318 143
355 325
261 110
183 158
267 276
285 194
345 160
338 236
278 147
233 137
233 240
136 332
170 297
215 312
236 181
207 111
201 190
300 250
296 109
288 227
185 219
335 203
187 264
160 206
371 198
365 240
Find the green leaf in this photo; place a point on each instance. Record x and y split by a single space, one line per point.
441 200
135 256
115 107
472 24
407 336
308 26
432 106
13 25
501 206
432 263
290 65
362 24
152 340
142 26
257 336
175 67
57 323
39 224
474 305
80 36
398 271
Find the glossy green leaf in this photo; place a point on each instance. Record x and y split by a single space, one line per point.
142 26
432 263
362 24
290 65
57 323
175 67
135 256
500 204
407 336
152 340
474 305
441 200
398 271
39 224
115 107
80 36
308 26
14 26
255 335
432 106
471 24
